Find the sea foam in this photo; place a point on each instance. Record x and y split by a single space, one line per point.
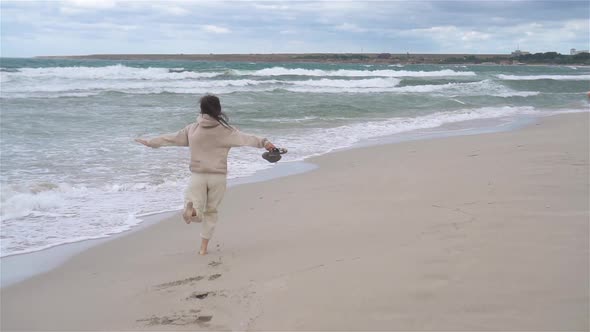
109 73
281 71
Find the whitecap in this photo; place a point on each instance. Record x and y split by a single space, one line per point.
281 71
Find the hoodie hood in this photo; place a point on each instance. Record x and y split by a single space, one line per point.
207 121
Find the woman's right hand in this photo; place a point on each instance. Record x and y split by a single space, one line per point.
269 146
144 142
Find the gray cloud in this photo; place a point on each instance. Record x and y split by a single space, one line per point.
111 26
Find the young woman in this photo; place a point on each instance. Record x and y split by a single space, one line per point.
209 140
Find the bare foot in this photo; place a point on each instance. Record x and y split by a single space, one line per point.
204 245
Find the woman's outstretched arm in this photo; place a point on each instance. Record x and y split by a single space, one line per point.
237 138
179 138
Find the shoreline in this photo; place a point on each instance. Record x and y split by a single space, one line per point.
445 239
89 58
337 58
47 259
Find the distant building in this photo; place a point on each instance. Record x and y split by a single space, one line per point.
573 51
384 56
519 53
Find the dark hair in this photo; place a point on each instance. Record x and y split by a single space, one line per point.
211 106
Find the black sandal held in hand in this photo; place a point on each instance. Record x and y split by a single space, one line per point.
274 155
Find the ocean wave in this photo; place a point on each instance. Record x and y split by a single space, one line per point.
114 72
544 77
39 216
281 71
484 88
143 87
48 199
515 94
344 84
37 198
286 120
34 89
122 72
480 88
323 85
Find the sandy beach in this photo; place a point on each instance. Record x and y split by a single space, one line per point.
480 232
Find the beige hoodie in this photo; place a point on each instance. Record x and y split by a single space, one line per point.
209 143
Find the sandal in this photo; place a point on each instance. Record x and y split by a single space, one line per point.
274 155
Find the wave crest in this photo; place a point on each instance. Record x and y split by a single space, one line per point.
281 71
114 72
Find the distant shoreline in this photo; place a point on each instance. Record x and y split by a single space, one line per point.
354 58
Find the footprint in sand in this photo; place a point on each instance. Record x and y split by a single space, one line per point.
178 319
187 280
214 276
180 282
199 295
214 263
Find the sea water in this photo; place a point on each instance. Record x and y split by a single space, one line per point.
71 171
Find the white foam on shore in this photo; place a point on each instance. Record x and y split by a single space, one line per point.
351 134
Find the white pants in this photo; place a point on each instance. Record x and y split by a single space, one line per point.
206 191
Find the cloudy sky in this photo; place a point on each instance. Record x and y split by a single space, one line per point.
32 28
